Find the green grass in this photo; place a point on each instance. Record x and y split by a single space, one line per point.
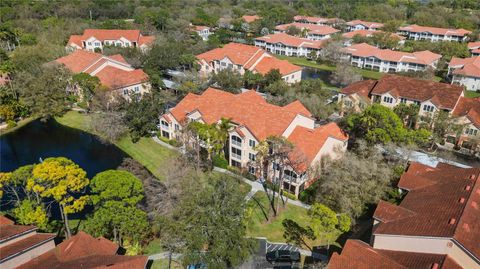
471 94
153 247
273 229
20 124
163 264
146 151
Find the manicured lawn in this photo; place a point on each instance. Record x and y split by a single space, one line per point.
163 264
273 229
146 151
153 247
471 94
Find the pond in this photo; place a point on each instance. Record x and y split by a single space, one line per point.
39 140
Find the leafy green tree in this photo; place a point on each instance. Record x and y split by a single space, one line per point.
228 80
116 185
87 84
295 233
62 180
252 80
28 212
272 76
408 114
292 30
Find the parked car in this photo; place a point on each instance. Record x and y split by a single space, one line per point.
283 256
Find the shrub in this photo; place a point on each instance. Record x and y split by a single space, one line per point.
308 195
11 124
220 161
241 172
174 142
289 195
164 139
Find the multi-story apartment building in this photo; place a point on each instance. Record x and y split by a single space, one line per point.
19 244
384 60
417 32
465 72
254 120
436 225
112 71
348 36
316 20
474 48
95 39
283 44
431 97
362 25
310 31
202 31
240 57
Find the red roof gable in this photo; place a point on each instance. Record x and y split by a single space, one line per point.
312 28
469 107
435 30
250 18
367 24
466 66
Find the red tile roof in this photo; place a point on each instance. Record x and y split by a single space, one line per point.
250 57
84 251
367 24
445 201
470 108
442 95
299 18
365 50
5 221
25 244
309 142
312 28
250 18
466 66
200 27
292 41
473 45
146 40
76 39
8 231
359 255
107 34
434 30
368 33
110 76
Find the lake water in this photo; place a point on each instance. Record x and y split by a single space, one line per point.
50 139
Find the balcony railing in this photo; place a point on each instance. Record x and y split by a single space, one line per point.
236 156
236 143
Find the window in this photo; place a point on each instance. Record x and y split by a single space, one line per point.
137 89
251 143
230 66
223 64
251 157
276 166
89 43
403 100
470 131
177 127
348 103
164 123
387 99
428 108
251 170
125 91
236 164
237 141
97 44
236 153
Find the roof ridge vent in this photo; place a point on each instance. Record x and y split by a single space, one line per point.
468 187
434 265
462 200
452 221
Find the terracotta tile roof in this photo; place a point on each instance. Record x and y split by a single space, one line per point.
5 221
115 78
466 66
250 57
250 18
387 212
363 88
359 255
265 120
368 33
473 45
107 34
443 95
268 63
24 244
312 28
308 142
447 206
365 50
470 108
300 18
434 30
11 230
84 251
200 27
292 41
110 76
367 24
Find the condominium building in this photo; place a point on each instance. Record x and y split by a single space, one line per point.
240 58
309 31
474 48
465 72
362 25
368 33
96 39
417 32
254 120
113 72
316 20
202 31
283 44
385 60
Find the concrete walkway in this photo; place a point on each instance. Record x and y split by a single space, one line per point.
164 255
156 139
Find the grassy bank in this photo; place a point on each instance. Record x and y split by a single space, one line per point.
273 228
146 151
367 74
